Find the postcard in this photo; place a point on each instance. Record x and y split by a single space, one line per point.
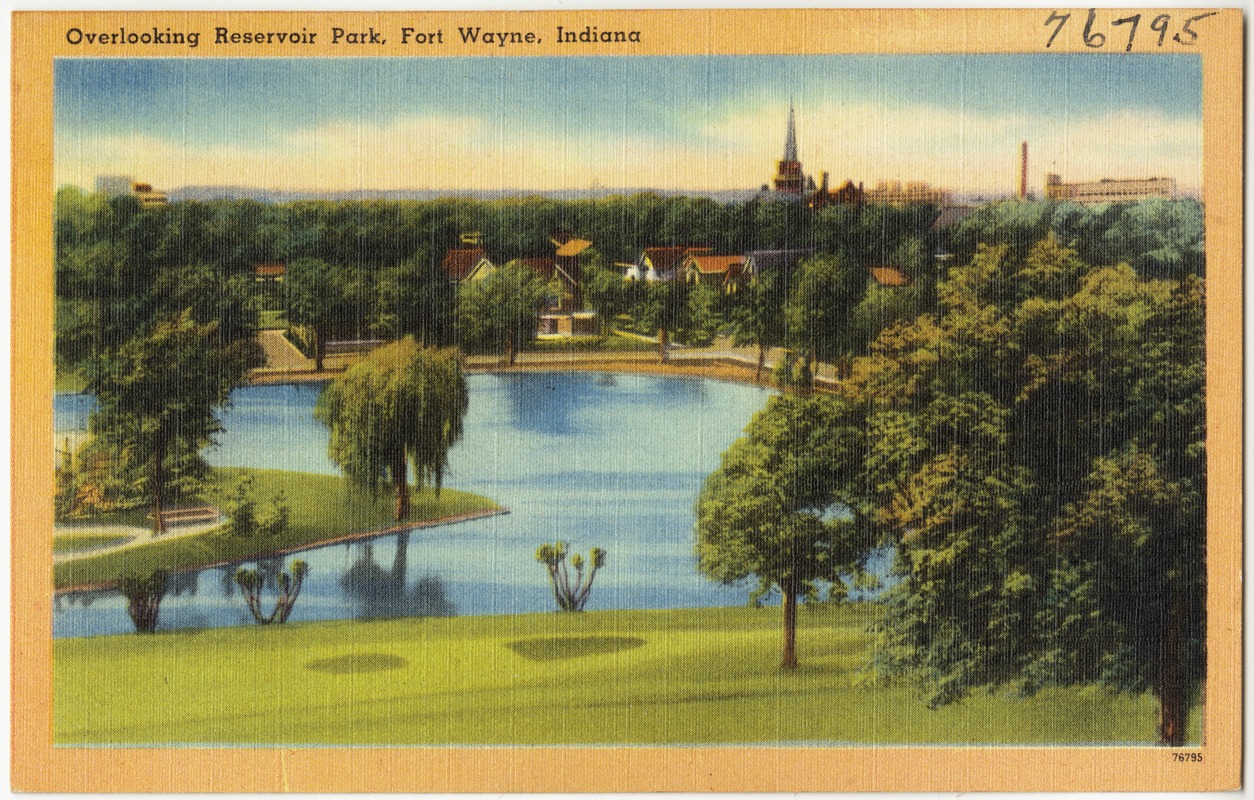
593 400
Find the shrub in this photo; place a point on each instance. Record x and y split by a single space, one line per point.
569 597
241 510
276 519
143 595
251 582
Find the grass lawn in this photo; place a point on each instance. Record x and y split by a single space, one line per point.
73 542
272 320
650 677
323 507
580 344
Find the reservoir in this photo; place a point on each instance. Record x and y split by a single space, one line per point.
605 460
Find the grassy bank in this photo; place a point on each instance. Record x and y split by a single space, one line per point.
74 542
322 507
654 677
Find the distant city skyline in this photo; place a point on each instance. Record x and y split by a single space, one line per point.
683 123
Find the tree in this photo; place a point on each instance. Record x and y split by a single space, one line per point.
820 303
400 406
1037 451
664 308
157 397
252 581
416 298
786 504
144 594
315 295
759 318
502 311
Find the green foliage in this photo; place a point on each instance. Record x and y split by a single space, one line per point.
704 317
1037 450
570 596
252 581
1157 238
400 406
501 312
276 519
157 397
786 504
241 510
143 593
821 299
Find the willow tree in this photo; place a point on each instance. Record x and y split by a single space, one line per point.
398 407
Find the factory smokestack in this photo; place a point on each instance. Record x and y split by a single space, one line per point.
1023 172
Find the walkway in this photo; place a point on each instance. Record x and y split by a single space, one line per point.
282 354
140 536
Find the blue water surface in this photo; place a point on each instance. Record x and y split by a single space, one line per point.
597 459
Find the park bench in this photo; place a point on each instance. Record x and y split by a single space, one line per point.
189 516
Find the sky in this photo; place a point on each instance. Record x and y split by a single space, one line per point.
686 123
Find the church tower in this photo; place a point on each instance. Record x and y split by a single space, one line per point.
788 177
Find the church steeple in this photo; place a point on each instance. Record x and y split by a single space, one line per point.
790 143
789 178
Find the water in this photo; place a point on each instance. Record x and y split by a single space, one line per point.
605 460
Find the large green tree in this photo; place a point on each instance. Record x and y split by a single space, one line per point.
502 311
157 399
400 406
318 298
821 299
1037 451
786 504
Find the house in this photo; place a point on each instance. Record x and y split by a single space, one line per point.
1110 190
631 272
896 193
663 263
846 195
270 272
718 272
783 262
147 196
550 270
566 257
466 264
889 276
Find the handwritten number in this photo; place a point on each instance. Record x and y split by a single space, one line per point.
1192 33
1096 39
1093 39
1160 24
1135 19
1061 19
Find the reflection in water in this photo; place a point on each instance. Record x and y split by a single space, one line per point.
183 583
539 407
378 592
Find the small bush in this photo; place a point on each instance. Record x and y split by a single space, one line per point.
569 597
251 582
275 521
143 595
241 510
